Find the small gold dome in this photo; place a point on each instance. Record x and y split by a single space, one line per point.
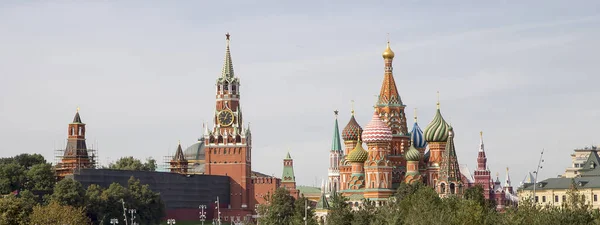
388 53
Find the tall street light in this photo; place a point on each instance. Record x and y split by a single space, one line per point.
124 212
537 170
218 211
202 213
306 208
171 221
132 212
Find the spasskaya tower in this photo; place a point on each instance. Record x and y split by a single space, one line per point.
228 143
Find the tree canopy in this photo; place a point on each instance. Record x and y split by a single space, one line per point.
131 163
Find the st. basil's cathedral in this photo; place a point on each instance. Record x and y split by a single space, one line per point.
393 155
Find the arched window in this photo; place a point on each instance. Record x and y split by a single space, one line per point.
443 188
452 188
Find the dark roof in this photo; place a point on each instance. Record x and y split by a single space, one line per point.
179 155
565 183
77 118
591 166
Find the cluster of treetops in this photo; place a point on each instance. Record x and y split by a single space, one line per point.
417 204
31 195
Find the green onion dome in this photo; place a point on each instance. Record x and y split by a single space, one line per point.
437 130
358 154
412 154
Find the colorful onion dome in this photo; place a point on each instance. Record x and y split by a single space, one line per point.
388 53
377 130
358 154
437 130
352 130
412 154
416 137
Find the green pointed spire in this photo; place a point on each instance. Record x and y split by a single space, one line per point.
322 203
336 145
288 156
227 71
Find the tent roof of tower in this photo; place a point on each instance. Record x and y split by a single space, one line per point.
336 144
77 118
179 154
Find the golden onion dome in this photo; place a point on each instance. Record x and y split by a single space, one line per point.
388 53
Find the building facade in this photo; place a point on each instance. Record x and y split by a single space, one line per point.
554 191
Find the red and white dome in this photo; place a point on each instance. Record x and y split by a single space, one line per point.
377 131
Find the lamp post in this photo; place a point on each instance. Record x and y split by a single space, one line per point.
306 208
132 212
539 166
124 212
114 221
171 221
218 212
202 213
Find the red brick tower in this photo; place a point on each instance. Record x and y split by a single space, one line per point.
179 164
228 144
391 110
378 169
76 153
482 174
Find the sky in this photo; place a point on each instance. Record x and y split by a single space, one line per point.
143 74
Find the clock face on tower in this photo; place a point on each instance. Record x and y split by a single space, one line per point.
225 118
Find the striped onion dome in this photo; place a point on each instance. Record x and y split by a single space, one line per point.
412 154
352 130
416 137
358 154
437 130
377 130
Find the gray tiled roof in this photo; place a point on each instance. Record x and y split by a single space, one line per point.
565 183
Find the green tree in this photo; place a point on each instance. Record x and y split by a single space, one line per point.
365 214
299 212
130 163
68 192
340 212
40 177
12 177
112 197
14 211
149 205
57 214
29 160
280 209
94 204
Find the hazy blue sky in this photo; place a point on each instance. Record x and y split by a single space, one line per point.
143 73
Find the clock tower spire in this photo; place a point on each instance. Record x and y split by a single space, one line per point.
228 144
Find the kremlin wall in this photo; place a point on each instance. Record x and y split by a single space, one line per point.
364 163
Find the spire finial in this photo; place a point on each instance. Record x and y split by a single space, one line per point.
480 134
227 36
438 99
507 169
352 111
388 39
336 113
497 174
179 142
77 108
415 115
